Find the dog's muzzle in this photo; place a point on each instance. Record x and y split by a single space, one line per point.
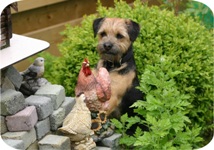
107 46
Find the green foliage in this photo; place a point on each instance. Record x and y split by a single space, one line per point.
165 110
123 125
200 10
180 92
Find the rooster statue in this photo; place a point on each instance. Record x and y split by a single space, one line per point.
96 85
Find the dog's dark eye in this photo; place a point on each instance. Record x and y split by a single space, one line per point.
103 34
119 36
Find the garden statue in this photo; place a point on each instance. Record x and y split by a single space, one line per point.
77 125
32 77
96 85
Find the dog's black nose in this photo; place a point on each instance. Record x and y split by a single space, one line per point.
107 45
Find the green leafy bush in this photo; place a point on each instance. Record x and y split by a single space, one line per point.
165 111
184 42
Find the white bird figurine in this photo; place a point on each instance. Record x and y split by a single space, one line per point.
35 70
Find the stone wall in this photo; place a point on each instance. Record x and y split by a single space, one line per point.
31 122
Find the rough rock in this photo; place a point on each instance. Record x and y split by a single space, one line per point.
3 126
56 118
44 106
42 128
11 102
54 142
24 120
55 92
28 137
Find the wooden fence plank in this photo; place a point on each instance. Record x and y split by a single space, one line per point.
50 34
49 15
32 4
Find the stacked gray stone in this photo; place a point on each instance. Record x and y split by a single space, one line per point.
55 92
51 107
7 84
44 108
14 76
11 79
56 118
3 126
18 144
57 95
28 137
68 104
54 142
11 102
48 103
44 105
102 148
112 141
42 128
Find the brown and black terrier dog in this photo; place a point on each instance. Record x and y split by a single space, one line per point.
115 39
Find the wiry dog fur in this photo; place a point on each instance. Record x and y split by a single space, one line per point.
115 38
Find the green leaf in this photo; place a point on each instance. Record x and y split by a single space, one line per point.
165 123
124 118
138 103
169 146
117 123
127 140
144 140
186 146
131 121
151 120
138 132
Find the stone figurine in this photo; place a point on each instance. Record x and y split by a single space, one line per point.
77 125
32 77
35 70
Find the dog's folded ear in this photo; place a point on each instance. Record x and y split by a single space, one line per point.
96 25
133 30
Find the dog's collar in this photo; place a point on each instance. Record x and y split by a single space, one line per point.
109 65
125 58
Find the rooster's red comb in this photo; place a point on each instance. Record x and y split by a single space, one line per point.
86 60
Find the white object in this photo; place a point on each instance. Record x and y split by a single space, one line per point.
21 47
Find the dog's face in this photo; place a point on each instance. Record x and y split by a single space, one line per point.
115 36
